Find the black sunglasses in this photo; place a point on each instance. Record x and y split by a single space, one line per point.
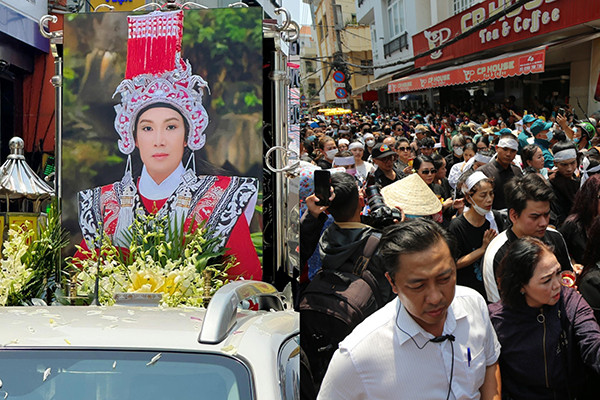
429 171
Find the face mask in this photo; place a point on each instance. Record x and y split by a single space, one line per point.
351 171
479 210
549 135
370 142
576 140
331 153
458 151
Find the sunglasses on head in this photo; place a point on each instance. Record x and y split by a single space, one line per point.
429 171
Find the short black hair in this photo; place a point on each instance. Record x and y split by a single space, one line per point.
343 206
427 142
520 189
420 159
516 269
402 139
411 237
438 160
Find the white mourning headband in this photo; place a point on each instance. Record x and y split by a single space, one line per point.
472 180
509 143
356 145
565 155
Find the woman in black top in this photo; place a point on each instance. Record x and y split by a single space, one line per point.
474 229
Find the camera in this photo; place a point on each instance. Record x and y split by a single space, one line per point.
380 214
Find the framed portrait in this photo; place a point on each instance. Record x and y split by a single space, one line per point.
213 92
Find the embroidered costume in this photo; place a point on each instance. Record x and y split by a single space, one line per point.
156 75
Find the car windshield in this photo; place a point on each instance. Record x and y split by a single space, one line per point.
120 375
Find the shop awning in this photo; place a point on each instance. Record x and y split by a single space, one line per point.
374 84
513 64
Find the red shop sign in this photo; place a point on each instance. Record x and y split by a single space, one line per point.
536 17
499 67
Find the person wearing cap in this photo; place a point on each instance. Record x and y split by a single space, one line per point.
563 181
502 168
542 137
161 124
420 132
363 168
583 135
525 137
384 158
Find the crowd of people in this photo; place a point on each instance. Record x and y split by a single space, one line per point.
504 204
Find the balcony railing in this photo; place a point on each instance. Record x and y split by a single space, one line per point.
399 43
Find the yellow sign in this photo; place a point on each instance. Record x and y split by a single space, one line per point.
119 5
25 220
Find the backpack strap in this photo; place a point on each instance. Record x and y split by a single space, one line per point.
361 264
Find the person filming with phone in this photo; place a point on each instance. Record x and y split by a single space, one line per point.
351 268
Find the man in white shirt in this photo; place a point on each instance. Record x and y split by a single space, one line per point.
435 341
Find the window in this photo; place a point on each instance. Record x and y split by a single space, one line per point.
374 41
320 30
395 11
309 66
121 375
289 367
461 5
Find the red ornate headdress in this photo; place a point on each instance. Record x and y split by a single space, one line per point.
156 73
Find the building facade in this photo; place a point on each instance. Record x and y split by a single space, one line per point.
342 44
544 53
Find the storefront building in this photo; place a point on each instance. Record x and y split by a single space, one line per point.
543 52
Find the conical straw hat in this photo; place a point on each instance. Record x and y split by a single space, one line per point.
412 195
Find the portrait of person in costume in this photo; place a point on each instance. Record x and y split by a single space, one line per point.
162 116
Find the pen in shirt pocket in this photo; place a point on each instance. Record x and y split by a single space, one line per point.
468 357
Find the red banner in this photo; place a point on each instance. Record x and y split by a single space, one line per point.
536 17
500 67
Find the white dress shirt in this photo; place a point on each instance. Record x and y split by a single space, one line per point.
379 361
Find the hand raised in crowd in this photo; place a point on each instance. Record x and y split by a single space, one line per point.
401 213
459 205
488 236
408 170
561 120
313 208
